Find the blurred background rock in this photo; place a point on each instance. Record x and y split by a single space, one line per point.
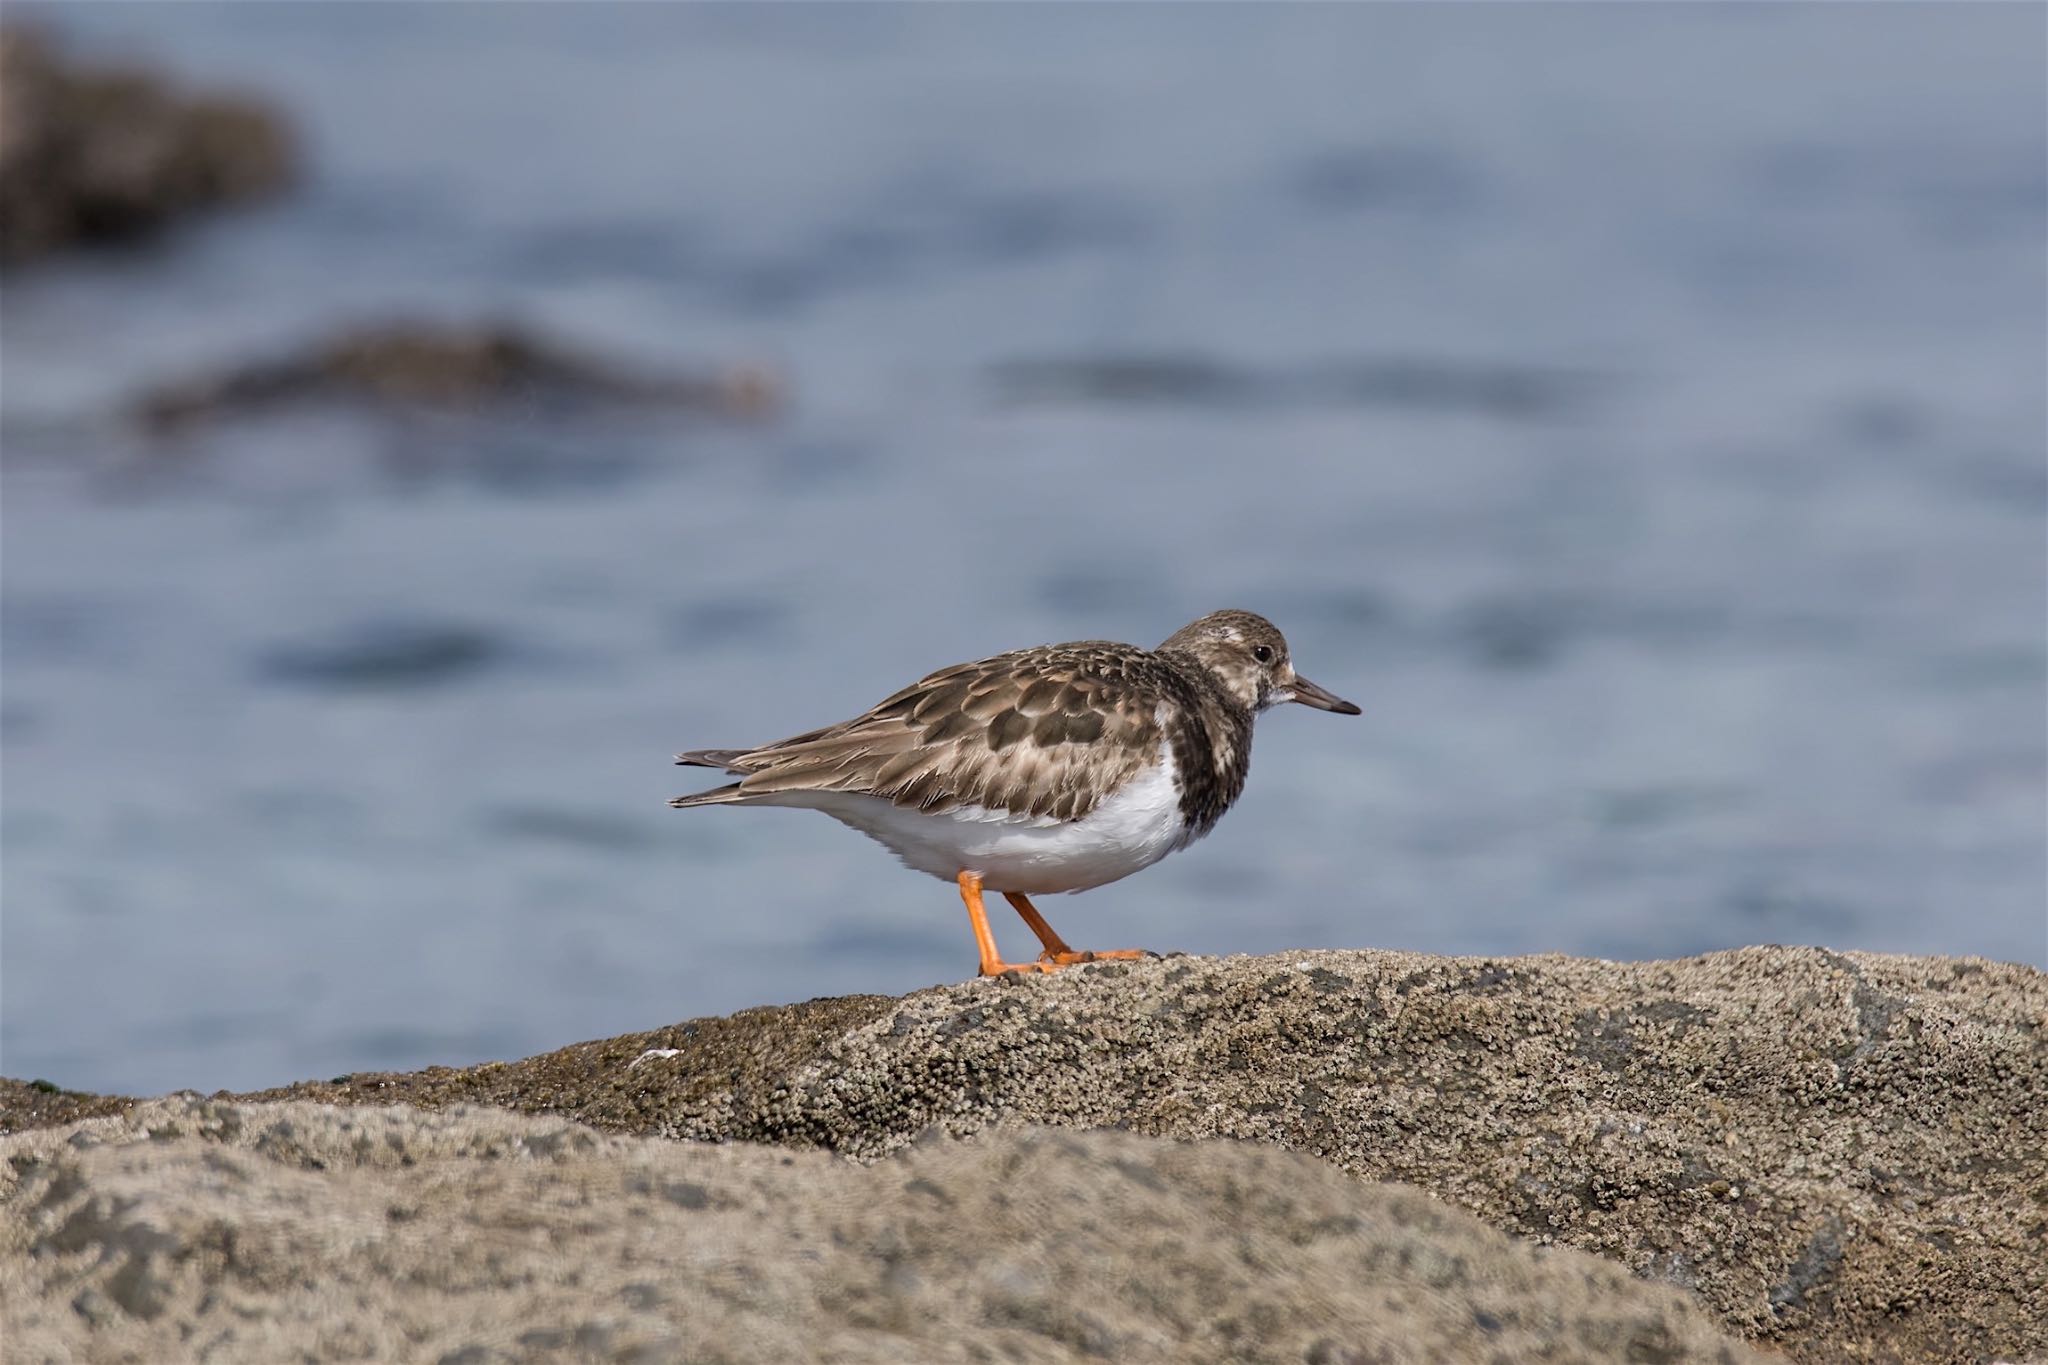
98 154
1640 410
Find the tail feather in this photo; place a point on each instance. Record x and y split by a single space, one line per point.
724 759
717 796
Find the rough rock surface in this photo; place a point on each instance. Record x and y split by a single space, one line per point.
108 154
1844 1155
211 1231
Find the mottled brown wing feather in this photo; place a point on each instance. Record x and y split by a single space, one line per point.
1043 732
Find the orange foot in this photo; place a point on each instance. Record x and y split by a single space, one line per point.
1021 968
1056 955
1069 957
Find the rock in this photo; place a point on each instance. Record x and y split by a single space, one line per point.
104 155
40 1104
1845 1156
427 366
201 1229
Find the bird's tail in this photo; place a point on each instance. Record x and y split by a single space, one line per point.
717 796
711 758
726 760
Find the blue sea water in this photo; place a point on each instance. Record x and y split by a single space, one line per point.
1639 410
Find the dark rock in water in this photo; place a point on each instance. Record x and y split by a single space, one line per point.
427 366
108 155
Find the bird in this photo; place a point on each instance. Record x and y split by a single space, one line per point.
1053 769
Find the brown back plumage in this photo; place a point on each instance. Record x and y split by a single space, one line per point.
1043 732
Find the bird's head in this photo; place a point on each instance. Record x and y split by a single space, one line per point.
1248 656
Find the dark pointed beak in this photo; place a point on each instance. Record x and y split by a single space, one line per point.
1308 694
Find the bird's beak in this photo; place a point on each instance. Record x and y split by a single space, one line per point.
1308 694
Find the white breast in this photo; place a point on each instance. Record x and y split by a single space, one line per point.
1128 831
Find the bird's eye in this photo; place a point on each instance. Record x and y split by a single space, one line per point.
1263 653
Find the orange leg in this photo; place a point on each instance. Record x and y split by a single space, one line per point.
992 963
1057 953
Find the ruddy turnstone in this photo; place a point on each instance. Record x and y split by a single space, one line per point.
1058 768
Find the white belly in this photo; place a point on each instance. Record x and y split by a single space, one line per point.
1129 831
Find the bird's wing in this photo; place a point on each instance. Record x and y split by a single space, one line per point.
1047 732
